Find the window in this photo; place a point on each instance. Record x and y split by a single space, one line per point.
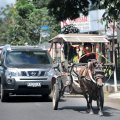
27 58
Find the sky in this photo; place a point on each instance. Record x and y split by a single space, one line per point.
3 3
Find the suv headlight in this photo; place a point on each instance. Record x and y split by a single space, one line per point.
11 73
51 72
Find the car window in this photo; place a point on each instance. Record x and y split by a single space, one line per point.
27 57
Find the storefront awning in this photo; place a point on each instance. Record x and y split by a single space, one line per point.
79 38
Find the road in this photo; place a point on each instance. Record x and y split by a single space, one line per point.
36 108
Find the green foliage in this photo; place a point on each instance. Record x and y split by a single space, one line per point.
23 20
71 9
40 3
112 10
64 9
70 29
25 9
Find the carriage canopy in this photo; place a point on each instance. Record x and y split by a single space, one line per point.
79 38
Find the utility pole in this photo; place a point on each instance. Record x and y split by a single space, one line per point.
114 61
40 37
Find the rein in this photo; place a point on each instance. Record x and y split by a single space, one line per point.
108 78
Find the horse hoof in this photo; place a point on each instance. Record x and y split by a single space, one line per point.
88 111
100 113
91 113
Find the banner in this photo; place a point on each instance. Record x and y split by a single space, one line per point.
92 22
82 23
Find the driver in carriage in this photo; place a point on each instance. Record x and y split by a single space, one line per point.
87 53
85 57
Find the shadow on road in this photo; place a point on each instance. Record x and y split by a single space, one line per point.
82 109
20 99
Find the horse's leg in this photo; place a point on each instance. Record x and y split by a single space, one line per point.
98 105
85 93
100 112
90 104
100 100
87 99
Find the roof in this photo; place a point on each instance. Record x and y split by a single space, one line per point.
80 38
22 48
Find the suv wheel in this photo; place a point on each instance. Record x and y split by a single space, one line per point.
4 95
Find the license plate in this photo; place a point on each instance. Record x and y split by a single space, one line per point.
34 84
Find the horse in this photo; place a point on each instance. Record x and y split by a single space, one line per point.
91 81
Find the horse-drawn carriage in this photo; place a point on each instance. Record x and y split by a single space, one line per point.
78 72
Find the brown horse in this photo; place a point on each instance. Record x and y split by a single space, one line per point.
90 79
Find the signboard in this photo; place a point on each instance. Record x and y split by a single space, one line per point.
82 23
44 31
89 23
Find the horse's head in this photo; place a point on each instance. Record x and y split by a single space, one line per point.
99 77
97 71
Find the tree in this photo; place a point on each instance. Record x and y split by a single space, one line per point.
70 29
40 3
71 9
23 21
112 12
64 9
2 31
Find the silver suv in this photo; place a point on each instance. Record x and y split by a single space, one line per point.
25 70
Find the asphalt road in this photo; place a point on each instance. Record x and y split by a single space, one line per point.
36 108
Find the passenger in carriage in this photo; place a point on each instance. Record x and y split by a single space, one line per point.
87 55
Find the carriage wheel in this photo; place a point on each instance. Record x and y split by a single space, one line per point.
55 98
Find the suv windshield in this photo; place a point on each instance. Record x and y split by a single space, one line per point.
14 58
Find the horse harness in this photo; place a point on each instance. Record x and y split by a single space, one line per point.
82 73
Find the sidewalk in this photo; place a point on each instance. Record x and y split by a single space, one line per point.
114 95
109 87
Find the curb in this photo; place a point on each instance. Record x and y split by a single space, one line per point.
110 88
